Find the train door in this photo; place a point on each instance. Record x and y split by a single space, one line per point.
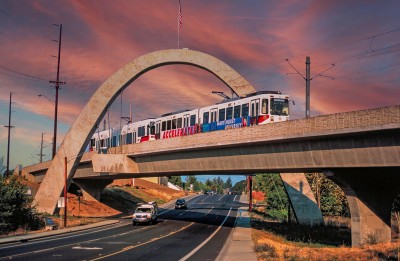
134 137
213 119
186 120
254 111
158 129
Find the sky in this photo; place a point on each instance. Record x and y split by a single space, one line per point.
354 47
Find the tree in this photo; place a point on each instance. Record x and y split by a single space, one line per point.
209 183
192 180
228 183
239 186
275 195
176 180
330 198
2 167
15 210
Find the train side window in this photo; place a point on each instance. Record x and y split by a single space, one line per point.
169 125
174 124
221 114
264 106
206 116
152 130
141 132
179 123
229 112
113 141
163 126
236 111
93 143
257 108
193 120
245 110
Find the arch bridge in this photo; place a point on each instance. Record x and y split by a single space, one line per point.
359 150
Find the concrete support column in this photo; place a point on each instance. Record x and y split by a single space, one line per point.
91 189
370 194
302 199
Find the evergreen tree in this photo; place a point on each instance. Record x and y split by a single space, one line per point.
209 183
192 180
228 183
176 180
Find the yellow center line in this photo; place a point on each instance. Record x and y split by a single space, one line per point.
144 243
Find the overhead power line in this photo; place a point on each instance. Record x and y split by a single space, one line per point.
322 49
19 74
368 71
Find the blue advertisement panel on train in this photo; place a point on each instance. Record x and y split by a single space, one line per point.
226 124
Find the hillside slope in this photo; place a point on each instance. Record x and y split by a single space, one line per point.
120 199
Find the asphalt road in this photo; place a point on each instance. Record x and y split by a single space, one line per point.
196 233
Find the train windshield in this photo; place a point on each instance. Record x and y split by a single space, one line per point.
279 106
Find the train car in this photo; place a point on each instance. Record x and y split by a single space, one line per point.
140 131
104 139
256 108
174 124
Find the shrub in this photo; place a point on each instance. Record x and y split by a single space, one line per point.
15 206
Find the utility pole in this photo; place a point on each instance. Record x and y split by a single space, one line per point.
41 150
57 86
9 133
120 119
308 80
308 70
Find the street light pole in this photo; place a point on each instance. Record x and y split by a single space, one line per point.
65 191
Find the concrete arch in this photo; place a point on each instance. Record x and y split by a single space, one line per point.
84 126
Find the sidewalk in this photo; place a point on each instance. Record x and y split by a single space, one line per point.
239 245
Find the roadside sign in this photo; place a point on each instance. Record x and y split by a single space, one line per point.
60 202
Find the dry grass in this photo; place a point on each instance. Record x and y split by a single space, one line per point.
165 195
272 247
272 244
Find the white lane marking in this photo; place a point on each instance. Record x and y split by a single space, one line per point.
222 197
191 199
62 236
234 199
206 241
53 248
183 212
205 214
204 198
88 248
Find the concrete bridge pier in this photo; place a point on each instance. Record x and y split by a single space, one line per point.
370 194
302 199
91 189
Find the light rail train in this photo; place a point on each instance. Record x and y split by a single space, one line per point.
255 109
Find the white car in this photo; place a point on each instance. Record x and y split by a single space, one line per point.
145 213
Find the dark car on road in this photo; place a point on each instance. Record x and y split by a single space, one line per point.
180 203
